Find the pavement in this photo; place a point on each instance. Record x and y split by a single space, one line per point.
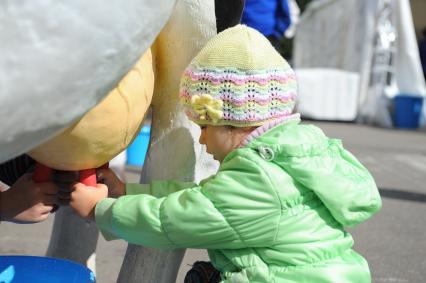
393 242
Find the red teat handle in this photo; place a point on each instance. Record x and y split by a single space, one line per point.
88 177
42 173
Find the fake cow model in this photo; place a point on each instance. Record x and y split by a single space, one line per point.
56 72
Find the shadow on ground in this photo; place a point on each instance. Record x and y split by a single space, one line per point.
402 195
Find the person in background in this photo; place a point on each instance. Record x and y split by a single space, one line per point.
269 17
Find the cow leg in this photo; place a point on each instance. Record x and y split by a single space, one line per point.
174 152
167 159
150 265
73 238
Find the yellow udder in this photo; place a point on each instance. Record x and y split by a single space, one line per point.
107 129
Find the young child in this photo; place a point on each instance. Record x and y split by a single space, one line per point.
276 209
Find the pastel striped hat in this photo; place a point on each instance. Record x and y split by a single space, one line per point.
238 79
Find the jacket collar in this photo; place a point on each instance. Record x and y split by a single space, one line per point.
267 126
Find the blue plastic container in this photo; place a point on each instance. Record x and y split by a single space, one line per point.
136 152
36 269
407 110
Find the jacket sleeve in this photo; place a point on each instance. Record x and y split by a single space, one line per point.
221 213
157 188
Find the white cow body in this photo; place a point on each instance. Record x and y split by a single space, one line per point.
69 57
174 151
59 58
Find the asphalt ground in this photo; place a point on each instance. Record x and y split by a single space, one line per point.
393 242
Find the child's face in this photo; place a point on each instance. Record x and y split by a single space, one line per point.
219 141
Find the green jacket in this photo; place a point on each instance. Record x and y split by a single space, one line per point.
274 212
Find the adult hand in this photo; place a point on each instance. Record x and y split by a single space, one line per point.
116 188
28 202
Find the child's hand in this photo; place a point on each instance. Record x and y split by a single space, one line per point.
27 201
116 188
85 198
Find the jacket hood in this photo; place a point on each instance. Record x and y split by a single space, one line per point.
322 165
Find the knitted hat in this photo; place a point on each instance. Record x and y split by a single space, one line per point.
238 79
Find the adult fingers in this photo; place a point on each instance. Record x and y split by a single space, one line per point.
54 208
104 175
41 218
47 209
100 173
26 176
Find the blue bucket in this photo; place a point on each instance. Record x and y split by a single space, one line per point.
407 110
36 269
136 152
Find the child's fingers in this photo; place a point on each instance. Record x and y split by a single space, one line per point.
79 186
101 186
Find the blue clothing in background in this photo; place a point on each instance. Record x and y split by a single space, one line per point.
270 17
